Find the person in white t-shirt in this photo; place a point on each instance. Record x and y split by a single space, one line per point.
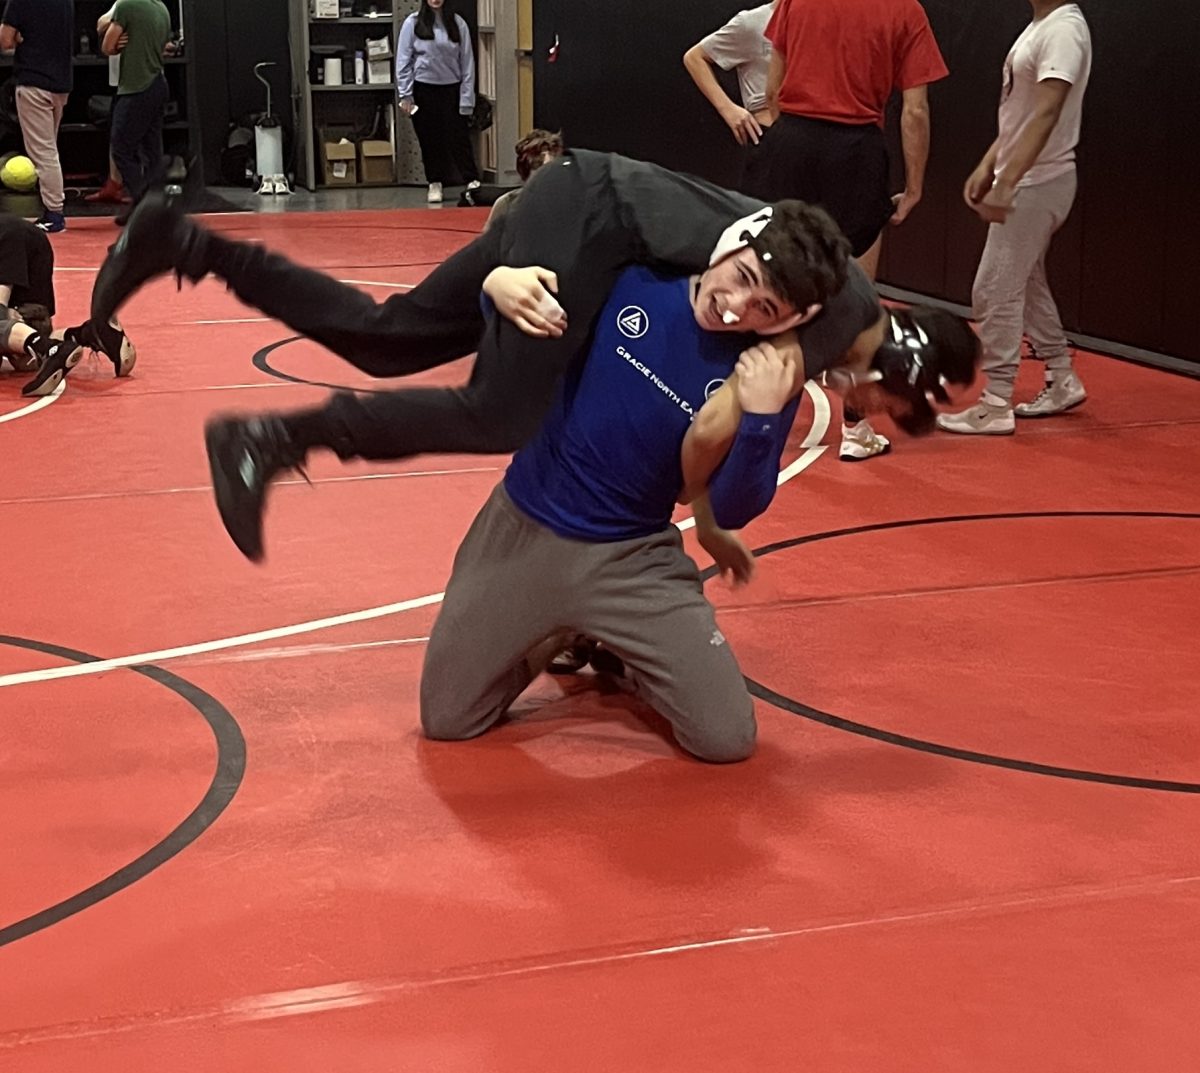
1024 188
739 45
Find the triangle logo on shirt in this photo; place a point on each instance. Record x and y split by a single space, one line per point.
633 322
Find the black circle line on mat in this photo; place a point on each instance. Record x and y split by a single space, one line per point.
796 707
263 365
231 766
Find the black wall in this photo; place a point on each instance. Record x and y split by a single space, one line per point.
619 83
1121 267
228 38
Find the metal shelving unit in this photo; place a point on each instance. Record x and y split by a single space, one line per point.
319 105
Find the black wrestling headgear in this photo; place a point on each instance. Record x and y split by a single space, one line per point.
924 351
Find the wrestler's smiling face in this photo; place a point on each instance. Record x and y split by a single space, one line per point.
734 295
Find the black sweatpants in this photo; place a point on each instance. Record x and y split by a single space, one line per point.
446 152
585 216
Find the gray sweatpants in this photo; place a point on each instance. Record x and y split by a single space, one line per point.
516 584
1011 297
40 114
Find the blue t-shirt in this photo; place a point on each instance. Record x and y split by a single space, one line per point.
605 464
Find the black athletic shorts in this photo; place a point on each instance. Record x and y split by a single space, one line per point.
840 167
26 262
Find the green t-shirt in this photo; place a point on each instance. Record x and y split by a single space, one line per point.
148 24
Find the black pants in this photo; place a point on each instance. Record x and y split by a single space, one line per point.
842 168
446 151
136 137
585 217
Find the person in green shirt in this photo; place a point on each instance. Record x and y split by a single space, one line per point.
139 31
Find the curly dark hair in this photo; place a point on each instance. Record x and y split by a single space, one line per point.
533 149
803 253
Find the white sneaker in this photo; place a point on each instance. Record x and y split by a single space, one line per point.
434 196
862 441
988 417
473 184
1058 396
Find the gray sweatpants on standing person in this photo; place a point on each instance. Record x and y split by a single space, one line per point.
1011 296
516 584
40 114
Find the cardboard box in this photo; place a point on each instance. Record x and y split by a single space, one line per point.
379 72
339 158
375 162
323 9
379 48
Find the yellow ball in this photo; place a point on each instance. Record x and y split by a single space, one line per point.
19 173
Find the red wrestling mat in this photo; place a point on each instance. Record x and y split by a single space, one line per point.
968 840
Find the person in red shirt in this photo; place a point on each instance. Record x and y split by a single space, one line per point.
833 69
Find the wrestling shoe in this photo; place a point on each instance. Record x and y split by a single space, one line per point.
158 238
991 416
244 456
1057 397
606 661
860 441
573 657
112 342
56 357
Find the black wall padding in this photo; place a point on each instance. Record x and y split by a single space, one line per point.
619 82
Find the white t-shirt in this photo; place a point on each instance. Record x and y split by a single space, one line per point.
1056 46
741 43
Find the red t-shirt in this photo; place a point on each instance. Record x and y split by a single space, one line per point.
843 58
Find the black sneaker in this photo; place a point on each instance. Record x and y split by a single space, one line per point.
244 456
56 357
112 342
606 661
51 222
157 239
572 658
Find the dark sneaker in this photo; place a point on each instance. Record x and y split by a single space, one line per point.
606 661
157 239
244 456
51 222
572 658
56 357
112 342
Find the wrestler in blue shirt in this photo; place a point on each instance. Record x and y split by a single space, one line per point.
577 538
606 465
